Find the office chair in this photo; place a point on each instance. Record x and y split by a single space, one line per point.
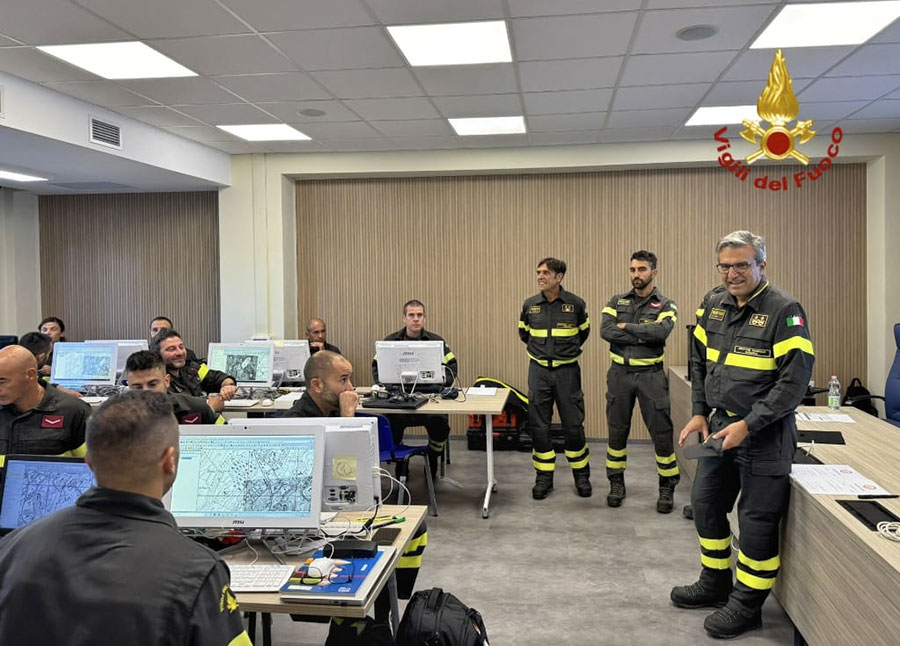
8 339
400 454
891 397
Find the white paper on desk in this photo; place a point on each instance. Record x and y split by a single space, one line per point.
825 417
486 392
833 479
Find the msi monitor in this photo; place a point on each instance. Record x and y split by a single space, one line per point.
77 365
410 363
251 364
124 349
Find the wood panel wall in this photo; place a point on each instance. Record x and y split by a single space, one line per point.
109 263
467 247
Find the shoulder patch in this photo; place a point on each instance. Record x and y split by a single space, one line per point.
717 314
567 307
534 309
52 421
227 601
759 320
191 418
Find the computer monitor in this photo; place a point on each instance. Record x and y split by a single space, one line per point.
290 357
410 362
76 365
250 364
124 349
37 485
351 457
234 478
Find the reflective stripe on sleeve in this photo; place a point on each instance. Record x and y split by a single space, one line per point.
794 343
608 310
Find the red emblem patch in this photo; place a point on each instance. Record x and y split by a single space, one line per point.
52 421
192 418
656 304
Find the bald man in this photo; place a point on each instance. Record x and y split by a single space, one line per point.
315 332
36 420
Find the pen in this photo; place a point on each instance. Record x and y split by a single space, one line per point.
393 521
873 496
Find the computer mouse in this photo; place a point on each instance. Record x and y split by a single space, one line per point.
266 402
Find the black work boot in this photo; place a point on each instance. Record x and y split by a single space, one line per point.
696 595
543 485
666 500
583 481
732 621
616 490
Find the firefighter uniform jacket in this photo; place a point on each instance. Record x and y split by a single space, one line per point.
114 569
306 407
554 332
327 346
449 357
648 322
53 427
193 410
754 363
197 379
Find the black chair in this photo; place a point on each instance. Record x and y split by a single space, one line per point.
8 339
891 397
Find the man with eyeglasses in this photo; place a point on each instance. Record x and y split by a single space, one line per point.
750 363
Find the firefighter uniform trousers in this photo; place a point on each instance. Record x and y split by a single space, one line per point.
764 500
650 387
561 385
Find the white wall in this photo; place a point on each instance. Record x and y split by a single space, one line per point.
20 267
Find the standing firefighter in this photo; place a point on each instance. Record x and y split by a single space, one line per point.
554 325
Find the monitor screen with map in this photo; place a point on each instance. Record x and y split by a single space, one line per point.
249 481
76 365
37 485
250 364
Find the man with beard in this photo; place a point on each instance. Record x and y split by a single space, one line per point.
329 391
636 324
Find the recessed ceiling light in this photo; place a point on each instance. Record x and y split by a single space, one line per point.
266 132
131 60
463 43
827 24
722 114
697 32
19 177
488 125
311 112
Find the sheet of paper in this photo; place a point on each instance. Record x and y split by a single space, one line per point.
833 479
486 392
842 418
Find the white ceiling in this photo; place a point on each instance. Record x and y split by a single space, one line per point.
585 71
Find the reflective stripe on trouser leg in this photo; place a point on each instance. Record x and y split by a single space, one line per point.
545 461
666 466
620 395
757 575
616 460
652 388
579 459
715 553
436 447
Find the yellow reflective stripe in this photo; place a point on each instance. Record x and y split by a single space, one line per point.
522 325
700 334
409 561
564 331
712 354
580 464
2 460
759 291
241 640
78 452
547 455
669 459
616 453
769 565
220 420
667 315
731 413
435 446
548 363
751 363
700 312
714 563
537 333
715 543
610 311
576 454
449 357
615 465
755 582
617 358
585 325
667 473
647 362
203 371
541 362
543 466
794 343
417 543
562 362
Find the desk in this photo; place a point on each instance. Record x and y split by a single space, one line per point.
839 582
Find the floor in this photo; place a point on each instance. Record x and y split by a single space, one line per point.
565 570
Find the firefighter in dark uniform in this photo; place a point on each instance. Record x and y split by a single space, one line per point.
192 377
554 325
145 370
160 323
750 367
35 419
114 569
437 426
637 324
316 335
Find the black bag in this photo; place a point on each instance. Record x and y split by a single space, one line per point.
437 618
857 391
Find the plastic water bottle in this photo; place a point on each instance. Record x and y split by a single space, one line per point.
834 393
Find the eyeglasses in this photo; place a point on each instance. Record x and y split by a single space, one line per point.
739 267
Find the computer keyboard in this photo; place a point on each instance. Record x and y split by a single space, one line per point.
409 402
241 403
259 578
284 402
94 400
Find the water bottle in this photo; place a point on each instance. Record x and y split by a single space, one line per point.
834 393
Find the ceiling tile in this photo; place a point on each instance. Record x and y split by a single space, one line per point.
572 36
339 49
105 93
681 4
662 69
579 74
227 114
569 137
360 145
704 132
660 96
648 118
55 22
557 122
495 141
225 54
519 8
34 65
621 135
157 116
802 62
8 42
168 18
397 12
183 91
484 105
884 109
848 88
743 92
822 112
414 128
202 133
362 84
390 109
294 86
238 147
737 27
294 147
890 34
289 111
566 102
869 125
427 143
281 15
348 130
869 60
463 79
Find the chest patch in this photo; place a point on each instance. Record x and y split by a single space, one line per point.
52 421
568 308
623 301
717 314
752 352
759 320
191 418
534 309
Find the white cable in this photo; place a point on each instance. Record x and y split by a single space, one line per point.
890 530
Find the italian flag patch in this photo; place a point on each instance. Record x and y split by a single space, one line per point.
794 321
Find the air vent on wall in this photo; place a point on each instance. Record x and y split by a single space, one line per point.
106 134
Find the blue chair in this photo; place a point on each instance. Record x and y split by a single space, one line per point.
891 397
400 454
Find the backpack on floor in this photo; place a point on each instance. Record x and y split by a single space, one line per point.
437 618
857 390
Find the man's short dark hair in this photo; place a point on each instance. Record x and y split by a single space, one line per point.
52 319
144 360
168 333
645 256
36 343
161 318
128 434
555 265
413 303
319 365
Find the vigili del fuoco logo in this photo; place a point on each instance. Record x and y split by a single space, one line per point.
778 107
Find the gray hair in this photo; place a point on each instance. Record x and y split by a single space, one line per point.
744 239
